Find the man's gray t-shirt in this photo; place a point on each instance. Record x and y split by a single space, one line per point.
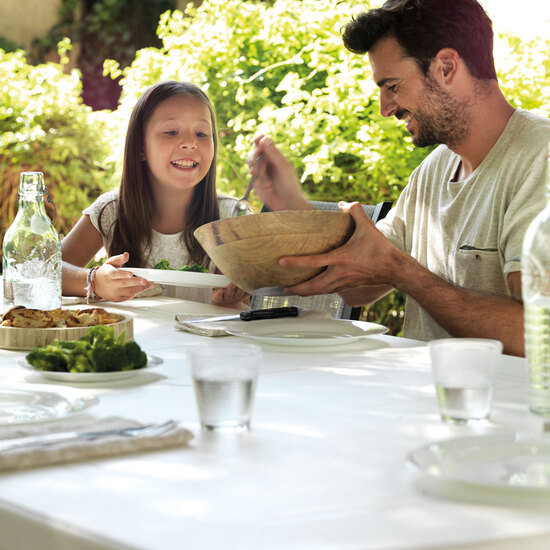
470 233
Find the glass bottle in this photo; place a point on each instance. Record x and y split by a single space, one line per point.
31 251
535 278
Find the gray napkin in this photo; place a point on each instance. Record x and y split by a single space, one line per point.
217 328
73 451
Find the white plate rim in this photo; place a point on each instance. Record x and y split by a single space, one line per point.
425 459
89 377
180 278
241 329
71 395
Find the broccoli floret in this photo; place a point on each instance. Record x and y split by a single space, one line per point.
80 359
136 358
162 264
99 336
109 359
195 268
50 357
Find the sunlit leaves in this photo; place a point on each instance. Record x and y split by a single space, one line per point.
44 126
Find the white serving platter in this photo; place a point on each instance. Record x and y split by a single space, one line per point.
181 278
88 377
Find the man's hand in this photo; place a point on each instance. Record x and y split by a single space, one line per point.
368 258
276 184
367 266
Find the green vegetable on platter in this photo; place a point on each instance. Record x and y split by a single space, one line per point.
97 351
165 264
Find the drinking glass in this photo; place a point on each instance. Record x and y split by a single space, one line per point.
463 371
224 377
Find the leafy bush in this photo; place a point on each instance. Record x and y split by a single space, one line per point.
264 72
44 126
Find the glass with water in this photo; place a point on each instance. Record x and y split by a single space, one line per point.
463 371
224 378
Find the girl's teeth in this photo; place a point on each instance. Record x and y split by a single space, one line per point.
184 164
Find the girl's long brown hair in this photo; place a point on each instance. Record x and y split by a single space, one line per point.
132 229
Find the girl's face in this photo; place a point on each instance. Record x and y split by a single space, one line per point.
179 145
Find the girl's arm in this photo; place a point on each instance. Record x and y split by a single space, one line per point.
78 248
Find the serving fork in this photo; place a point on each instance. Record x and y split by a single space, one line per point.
241 206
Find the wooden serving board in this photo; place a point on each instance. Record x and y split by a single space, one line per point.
29 338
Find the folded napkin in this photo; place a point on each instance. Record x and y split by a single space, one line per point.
218 328
73 451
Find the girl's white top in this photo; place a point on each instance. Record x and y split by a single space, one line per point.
169 247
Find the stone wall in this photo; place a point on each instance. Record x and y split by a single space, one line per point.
21 21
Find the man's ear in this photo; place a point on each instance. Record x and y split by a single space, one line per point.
445 65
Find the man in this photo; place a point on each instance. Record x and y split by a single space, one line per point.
453 241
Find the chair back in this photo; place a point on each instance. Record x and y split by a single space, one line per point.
323 302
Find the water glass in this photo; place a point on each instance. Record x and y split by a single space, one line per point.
224 377
463 371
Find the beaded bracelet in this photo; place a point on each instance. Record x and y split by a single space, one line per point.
90 286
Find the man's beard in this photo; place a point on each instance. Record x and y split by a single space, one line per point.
440 118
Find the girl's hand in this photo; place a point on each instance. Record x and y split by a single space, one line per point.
230 296
116 285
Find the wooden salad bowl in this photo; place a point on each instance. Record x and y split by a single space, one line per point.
246 249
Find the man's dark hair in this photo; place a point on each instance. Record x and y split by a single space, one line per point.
423 27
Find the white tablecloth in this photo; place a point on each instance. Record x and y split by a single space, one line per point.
323 467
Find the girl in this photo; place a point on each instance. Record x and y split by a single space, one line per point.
167 190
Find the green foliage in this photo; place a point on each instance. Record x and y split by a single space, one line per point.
44 126
524 72
8 45
264 72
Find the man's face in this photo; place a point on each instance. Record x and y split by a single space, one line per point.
431 114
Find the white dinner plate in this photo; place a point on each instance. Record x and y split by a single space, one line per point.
305 332
180 278
90 377
518 462
20 405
